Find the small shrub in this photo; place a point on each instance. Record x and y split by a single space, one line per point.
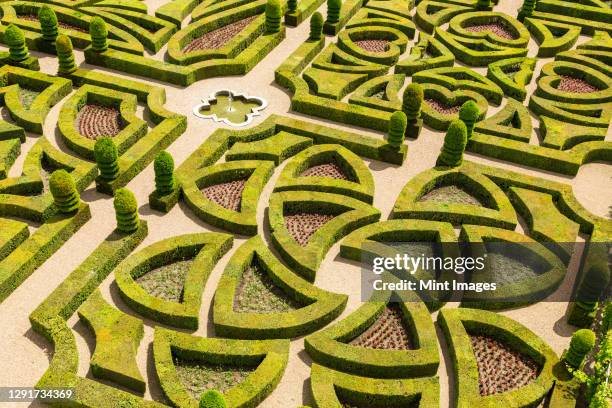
273 16
126 210
333 11
107 158
469 115
48 23
397 129
412 101
65 55
292 5
164 173
64 192
454 145
212 399
99 34
581 344
483 4
316 26
14 38
527 9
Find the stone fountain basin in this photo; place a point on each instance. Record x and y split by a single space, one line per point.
229 107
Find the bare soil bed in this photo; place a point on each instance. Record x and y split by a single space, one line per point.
451 194
575 85
330 170
373 45
27 96
302 226
218 38
166 282
496 28
96 121
61 24
389 332
443 108
227 195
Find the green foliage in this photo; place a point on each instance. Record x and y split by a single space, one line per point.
64 192
469 114
14 38
126 210
412 101
292 5
65 55
527 9
316 26
397 129
333 11
106 156
164 173
273 16
454 145
581 344
212 399
483 4
48 23
99 34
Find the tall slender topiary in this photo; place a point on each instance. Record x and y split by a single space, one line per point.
14 38
212 399
99 34
316 26
126 210
107 158
273 16
65 55
454 145
64 192
483 4
469 115
412 101
397 129
164 173
581 344
292 6
48 23
527 9
333 11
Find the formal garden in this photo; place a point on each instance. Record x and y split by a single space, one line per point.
192 191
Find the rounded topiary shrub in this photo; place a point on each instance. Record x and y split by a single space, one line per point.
212 399
107 158
397 129
469 113
412 100
14 38
65 55
99 34
64 192
164 173
454 145
527 9
126 210
273 16
316 26
483 4
333 11
292 6
581 344
48 23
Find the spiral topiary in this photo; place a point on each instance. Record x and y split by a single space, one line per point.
65 195
469 113
99 34
397 129
333 11
412 101
292 6
483 4
107 158
316 26
14 38
527 9
454 145
212 399
65 55
126 210
581 344
164 173
273 16
48 23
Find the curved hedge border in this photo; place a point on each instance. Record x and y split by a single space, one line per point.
589 18
269 356
204 248
427 53
397 42
552 37
512 122
390 85
513 86
579 114
459 24
551 75
431 14
319 307
441 121
562 136
276 148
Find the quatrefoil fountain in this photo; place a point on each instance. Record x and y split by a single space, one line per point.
231 108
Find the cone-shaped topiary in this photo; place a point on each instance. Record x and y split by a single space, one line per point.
412 101
273 16
527 9
14 38
99 34
106 156
483 4
126 210
454 145
164 173
65 55
64 192
469 115
292 6
316 26
581 344
333 11
397 129
48 23
212 399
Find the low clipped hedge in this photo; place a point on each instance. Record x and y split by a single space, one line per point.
441 121
511 122
552 73
522 69
552 37
427 53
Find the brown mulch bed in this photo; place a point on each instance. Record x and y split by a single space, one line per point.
61 24
451 194
227 195
496 28
389 332
442 108
95 121
218 38
373 45
500 368
575 85
330 170
302 226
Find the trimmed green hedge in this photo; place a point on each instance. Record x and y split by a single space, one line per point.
511 122
552 37
427 53
439 120
512 75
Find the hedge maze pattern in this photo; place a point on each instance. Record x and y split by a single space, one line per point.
548 111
